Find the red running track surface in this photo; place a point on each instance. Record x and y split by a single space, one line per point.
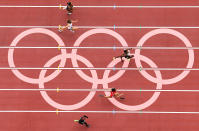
167 101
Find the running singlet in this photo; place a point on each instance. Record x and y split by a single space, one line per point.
82 120
112 94
68 8
70 26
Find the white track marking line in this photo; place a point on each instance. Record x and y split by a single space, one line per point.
100 90
109 27
63 68
117 6
138 27
113 112
29 26
114 6
61 47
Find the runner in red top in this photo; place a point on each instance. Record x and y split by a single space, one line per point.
114 93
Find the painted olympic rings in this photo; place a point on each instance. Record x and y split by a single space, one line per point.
94 79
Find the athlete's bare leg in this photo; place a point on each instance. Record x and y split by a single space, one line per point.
119 57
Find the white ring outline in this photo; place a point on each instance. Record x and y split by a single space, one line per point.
17 73
61 106
92 32
166 31
144 105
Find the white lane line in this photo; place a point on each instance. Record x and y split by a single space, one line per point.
114 6
113 112
109 27
138 27
29 26
101 90
63 68
24 6
114 47
139 6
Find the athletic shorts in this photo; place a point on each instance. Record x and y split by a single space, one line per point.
81 121
70 27
128 56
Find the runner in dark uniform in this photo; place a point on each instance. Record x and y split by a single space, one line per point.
126 55
69 8
82 121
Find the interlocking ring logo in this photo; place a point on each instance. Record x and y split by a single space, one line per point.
94 79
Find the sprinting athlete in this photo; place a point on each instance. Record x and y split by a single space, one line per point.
114 93
82 121
69 8
69 26
126 55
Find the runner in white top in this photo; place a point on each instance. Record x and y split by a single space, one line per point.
128 53
69 26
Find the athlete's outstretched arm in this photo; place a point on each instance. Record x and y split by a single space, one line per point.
107 96
74 21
